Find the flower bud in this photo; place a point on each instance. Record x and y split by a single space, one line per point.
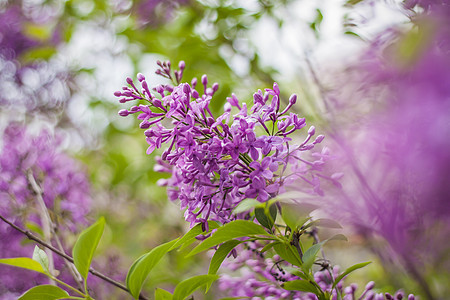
129 80
123 113
312 130
181 65
204 79
117 93
140 77
215 87
371 284
293 99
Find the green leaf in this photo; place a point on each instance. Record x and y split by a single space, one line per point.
327 223
188 286
288 253
300 285
221 254
44 292
161 294
348 271
189 237
85 246
310 256
40 256
24 263
266 217
246 205
267 247
234 229
140 269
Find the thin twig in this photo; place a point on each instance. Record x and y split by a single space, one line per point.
38 192
32 237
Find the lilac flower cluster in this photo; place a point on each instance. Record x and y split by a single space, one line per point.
65 191
216 162
262 278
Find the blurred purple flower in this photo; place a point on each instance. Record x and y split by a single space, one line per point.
65 193
399 154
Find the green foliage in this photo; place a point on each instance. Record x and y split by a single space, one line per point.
85 246
40 256
348 271
44 292
300 285
161 294
189 237
288 252
221 254
266 216
188 286
24 263
141 268
234 229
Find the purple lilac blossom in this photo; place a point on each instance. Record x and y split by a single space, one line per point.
216 162
65 193
400 152
253 275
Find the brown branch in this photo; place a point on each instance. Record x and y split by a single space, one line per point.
32 237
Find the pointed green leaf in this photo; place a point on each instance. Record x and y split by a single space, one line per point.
266 217
161 294
188 286
221 254
328 223
189 237
310 256
234 229
24 263
267 247
40 256
300 285
348 271
246 205
288 253
140 269
44 292
85 246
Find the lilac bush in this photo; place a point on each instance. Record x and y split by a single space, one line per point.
397 156
216 162
65 192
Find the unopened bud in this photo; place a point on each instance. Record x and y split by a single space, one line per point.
181 65
129 80
123 112
194 82
195 94
117 93
215 87
204 79
411 297
293 99
319 139
371 284
312 130
140 77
